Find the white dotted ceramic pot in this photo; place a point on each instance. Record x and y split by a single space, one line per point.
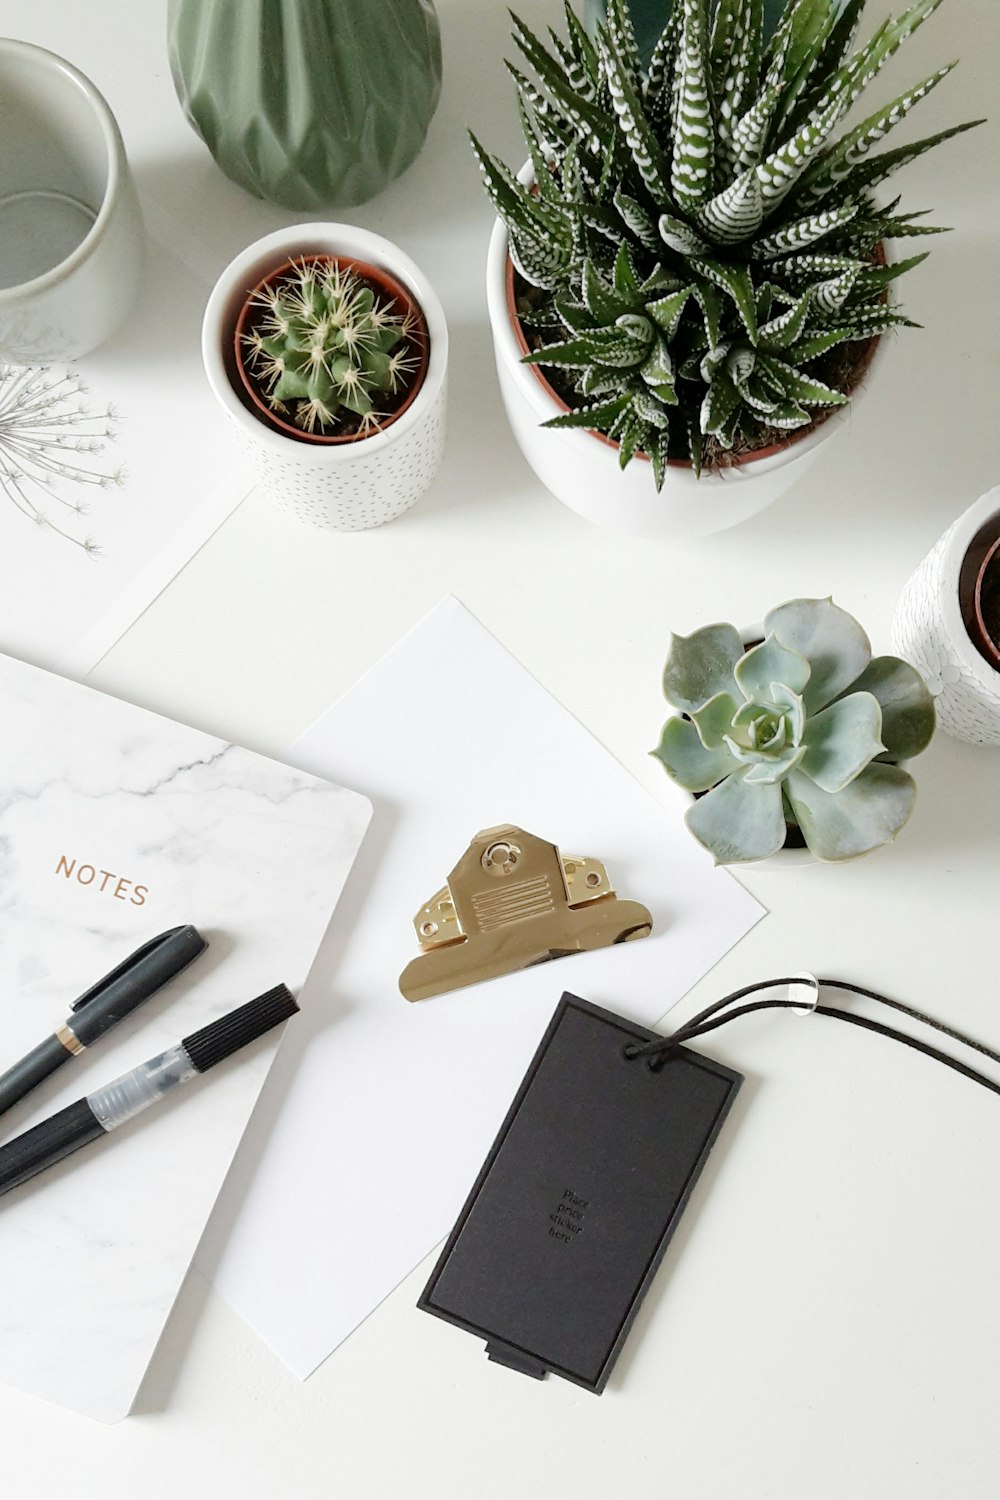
929 630
345 486
581 469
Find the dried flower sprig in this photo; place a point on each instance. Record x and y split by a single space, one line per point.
48 434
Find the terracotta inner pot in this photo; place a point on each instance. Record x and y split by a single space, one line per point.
979 591
740 460
389 290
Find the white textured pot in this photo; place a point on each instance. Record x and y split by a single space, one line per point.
928 630
348 486
582 470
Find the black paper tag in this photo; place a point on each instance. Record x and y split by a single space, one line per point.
572 1211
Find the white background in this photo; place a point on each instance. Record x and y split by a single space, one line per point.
826 1322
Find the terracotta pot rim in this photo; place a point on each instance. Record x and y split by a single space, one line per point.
741 461
366 271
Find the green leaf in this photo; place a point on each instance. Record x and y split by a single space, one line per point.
646 406
830 639
714 720
721 400
869 174
693 166
876 278
751 132
657 92
819 343
833 165
735 64
908 716
869 812
659 455
586 118
638 220
594 417
709 299
681 237
700 665
769 664
583 49
784 331
841 740
667 311
625 280
803 232
601 302
804 389
735 214
779 172
735 281
629 442
686 760
809 24
831 59
642 143
737 823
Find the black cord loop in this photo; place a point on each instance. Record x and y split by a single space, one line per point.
658 1054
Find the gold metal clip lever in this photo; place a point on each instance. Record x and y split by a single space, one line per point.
513 901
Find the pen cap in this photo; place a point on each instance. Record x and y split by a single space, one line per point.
220 1039
136 979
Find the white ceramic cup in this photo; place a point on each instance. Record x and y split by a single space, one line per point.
71 233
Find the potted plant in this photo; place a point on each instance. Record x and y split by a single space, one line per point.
947 622
792 739
328 348
692 255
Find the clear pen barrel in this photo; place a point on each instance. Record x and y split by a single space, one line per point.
129 1095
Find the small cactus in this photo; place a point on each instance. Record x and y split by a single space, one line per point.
325 353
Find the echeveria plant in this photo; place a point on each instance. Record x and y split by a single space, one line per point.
803 728
703 247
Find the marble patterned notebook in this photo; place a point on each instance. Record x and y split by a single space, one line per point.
116 824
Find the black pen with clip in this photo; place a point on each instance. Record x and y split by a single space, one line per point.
107 1002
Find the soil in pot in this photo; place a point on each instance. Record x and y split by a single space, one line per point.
979 591
843 368
396 307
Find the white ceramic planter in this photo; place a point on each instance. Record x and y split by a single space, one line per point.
928 630
71 236
582 470
341 487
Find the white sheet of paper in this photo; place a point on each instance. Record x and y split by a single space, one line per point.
180 468
382 1111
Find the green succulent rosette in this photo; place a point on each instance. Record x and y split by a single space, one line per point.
804 728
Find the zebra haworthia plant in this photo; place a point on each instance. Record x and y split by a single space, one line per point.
803 729
699 241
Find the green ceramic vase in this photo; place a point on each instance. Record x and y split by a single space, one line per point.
308 103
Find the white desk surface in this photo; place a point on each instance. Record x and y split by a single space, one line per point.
826 1322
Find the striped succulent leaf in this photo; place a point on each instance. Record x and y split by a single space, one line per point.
700 245
694 140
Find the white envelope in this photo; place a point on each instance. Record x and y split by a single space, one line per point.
381 1111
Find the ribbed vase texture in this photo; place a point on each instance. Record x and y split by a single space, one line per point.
308 103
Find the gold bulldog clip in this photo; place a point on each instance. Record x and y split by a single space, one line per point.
513 901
